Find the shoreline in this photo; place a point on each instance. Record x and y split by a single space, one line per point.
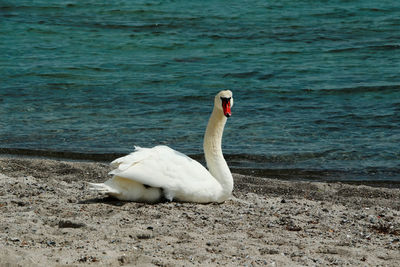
50 218
295 175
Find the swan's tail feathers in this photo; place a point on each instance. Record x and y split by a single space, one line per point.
103 188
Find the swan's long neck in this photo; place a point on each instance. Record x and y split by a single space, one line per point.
216 163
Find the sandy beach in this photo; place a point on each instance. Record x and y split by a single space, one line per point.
50 218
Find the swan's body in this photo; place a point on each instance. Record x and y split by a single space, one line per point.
149 174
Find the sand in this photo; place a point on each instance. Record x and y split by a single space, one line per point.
50 218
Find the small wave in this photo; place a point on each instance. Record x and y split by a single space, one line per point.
373 47
286 52
188 60
229 37
24 8
241 74
87 67
60 86
56 75
385 47
265 76
341 50
360 89
198 98
373 9
282 158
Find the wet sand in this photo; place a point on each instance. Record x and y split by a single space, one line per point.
50 218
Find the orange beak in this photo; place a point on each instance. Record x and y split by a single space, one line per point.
226 106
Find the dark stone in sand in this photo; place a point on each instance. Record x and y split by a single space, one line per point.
70 224
51 243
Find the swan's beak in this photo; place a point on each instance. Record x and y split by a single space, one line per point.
226 106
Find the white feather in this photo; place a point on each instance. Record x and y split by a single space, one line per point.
148 174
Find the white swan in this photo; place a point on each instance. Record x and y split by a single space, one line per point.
149 174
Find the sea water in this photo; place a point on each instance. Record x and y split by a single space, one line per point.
316 83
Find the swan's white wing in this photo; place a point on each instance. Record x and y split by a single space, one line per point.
180 176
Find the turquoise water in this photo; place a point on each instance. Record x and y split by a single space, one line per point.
316 83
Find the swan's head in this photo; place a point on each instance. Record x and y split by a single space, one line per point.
224 101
